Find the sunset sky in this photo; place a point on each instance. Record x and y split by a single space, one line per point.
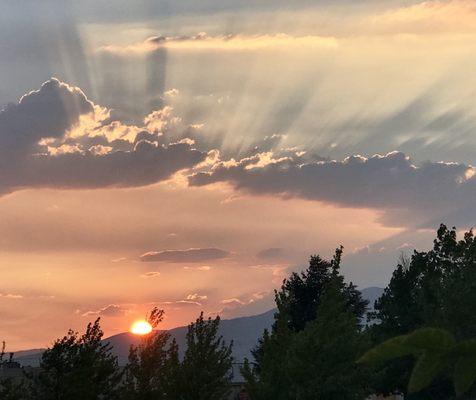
190 154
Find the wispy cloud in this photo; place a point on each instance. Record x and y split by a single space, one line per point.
203 41
183 256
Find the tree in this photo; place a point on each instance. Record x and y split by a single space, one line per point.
321 360
297 303
207 363
9 388
78 368
153 368
437 288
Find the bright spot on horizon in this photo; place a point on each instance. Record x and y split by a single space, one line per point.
141 328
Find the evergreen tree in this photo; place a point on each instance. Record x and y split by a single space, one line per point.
321 360
78 368
298 303
153 368
207 363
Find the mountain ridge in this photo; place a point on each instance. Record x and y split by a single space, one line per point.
243 331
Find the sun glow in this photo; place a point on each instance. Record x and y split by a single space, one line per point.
141 328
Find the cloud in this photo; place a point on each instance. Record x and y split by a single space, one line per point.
196 297
233 302
182 256
11 296
391 183
56 138
151 274
45 113
203 41
201 268
112 310
271 253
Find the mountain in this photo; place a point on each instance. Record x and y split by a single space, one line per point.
371 294
244 331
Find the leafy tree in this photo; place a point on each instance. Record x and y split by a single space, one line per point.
436 351
298 303
207 363
153 368
78 368
436 288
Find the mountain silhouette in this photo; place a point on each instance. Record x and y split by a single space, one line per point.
244 331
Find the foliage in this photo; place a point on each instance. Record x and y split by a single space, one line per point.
78 368
435 288
153 368
321 358
206 367
11 390
295 327
436 351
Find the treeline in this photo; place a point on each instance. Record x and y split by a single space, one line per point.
82 367
321 330
322 327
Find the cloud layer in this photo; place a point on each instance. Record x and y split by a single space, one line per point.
392 183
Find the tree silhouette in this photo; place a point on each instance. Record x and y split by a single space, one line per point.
206 367
10 389
298 303
78 368
153 368
436 288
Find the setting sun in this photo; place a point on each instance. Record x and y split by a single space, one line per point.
141 328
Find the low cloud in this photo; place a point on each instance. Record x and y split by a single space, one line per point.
112 310
201 268
11 296
233 302
271 253
392 183
182 256
196 297
151 274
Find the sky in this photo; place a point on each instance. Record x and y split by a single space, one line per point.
190 155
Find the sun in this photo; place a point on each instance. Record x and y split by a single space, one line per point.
141 328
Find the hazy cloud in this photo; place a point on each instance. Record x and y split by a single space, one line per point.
196 297
189 255
112 310
203 41
151 274
271 253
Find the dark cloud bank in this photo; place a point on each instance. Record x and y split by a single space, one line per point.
392 183
50 113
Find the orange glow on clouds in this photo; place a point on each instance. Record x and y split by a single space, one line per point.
141 328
